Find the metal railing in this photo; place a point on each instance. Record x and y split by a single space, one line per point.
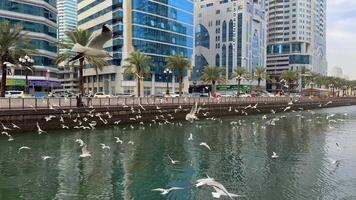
49 103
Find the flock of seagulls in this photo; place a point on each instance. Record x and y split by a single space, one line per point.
90 120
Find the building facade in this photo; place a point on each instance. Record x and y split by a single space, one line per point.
296 37
228 34
39 20
67 21
155 27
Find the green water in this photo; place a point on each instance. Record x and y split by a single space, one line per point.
240 158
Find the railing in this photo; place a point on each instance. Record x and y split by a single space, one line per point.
49 103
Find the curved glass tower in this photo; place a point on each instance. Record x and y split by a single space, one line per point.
158 28
39 18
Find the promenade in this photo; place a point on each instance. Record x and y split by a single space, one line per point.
27 112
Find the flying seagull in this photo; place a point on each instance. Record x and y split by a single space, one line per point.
274 155
191 116
85 152
166 191
95 45
39 130
80 142
205 145
173 161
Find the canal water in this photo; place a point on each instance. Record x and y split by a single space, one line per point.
317 159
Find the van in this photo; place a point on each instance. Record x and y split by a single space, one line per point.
14 94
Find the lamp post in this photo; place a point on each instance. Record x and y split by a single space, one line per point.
27 62
168 73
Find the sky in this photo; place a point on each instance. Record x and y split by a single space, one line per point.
341 36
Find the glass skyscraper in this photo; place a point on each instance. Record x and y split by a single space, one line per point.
158 28
39 18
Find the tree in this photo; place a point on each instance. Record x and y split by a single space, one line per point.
212 74
290 76
13 44
81 37
138 65
239 74
260 74
179 63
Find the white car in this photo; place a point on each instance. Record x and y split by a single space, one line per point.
14 94
101 95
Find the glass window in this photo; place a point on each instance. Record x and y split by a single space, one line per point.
224 31
202 37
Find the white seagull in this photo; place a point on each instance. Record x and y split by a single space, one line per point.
173 161
205 145
103 146
191 116
190 137
39 130
219 188
5 128
85 152
15 126
274 155
118 140
46 157
166 191
24 147
95 45
80 142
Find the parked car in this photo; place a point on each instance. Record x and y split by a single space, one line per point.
101 95
14 94
245 95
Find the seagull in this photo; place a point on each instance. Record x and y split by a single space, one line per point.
337 146
46 157
287 108
61 119
5 128
85 152
166 191
24 147
117 122
103 146
219 188
15 126
191 116
173 161
64 126
290 103
190 137
8 135
264 117
118 140
95 45
205 145
329 102
80 142
49 118
131 142
39 130
274 155
273 111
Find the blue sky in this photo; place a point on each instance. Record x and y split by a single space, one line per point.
341 35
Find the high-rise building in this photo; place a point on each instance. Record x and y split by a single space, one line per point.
296 37
157 28
39 20
229 34
67 21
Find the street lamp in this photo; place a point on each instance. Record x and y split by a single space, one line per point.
168 73
27 62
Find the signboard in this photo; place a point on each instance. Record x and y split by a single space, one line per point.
232 88
15 82
44 83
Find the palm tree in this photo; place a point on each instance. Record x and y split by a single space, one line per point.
260 74
179 63
13 43
239 74
81 37
290 76
212 74
138 65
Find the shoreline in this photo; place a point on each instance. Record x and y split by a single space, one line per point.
80 118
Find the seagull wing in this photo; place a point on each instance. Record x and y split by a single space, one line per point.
175 188
98 40
159 189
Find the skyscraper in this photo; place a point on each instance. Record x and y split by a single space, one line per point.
156 28
229 34
67 21
39 19
296 37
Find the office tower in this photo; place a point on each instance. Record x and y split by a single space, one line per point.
156 28
67 21
229 34
296 37
39 19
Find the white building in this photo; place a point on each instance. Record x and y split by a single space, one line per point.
296 36
229 34
156 28
67 21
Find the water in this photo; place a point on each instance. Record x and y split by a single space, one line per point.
239 158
